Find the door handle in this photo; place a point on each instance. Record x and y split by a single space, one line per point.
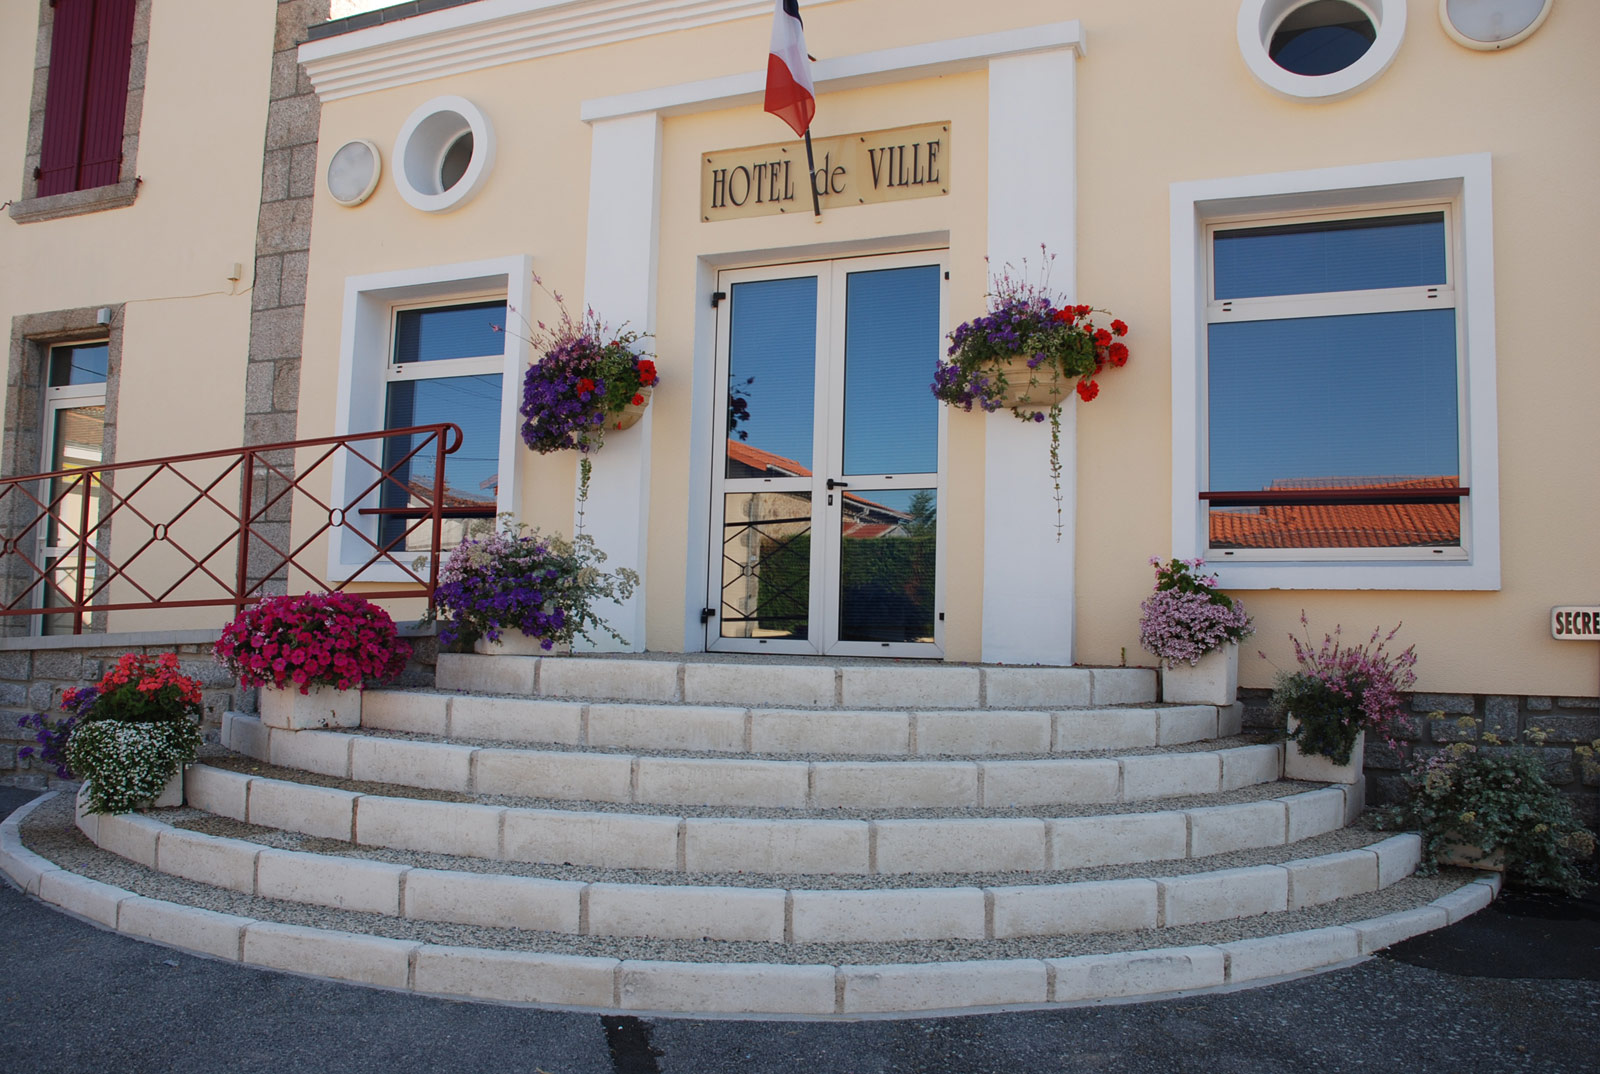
832 484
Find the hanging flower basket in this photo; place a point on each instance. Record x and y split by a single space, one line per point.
634 411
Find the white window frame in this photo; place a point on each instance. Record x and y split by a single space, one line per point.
57 399
1462 185
366 367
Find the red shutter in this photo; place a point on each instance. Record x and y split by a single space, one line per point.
64 96
106 102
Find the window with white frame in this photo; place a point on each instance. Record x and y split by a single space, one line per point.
1333 398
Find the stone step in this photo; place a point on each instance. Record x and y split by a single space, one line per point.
769 914
838 843
737 728
605 776
805 684
716 977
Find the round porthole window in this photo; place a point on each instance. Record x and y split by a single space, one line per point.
353 172
1319 50
443 154
1492 24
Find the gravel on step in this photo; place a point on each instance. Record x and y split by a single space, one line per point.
1259 792
49 831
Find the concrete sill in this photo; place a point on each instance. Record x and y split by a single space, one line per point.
75 202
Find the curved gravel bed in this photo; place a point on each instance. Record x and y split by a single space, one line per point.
49 832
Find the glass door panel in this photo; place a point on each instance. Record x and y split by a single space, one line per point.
888 564
766 565
772 369
891 344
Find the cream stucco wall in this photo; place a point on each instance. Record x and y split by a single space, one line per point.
1161 99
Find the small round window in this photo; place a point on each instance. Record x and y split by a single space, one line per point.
443 154
1319 50
455 162
1321 38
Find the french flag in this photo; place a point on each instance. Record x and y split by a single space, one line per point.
790 95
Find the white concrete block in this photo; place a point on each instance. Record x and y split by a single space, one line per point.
1054 782
1038 687
1246 766
888 914
677 727
1398 858
943 985
742 685
1137 973
420 824
1314 881
208 859
326 753
686 912
25 868
1069 909
1223 895
435 765
516 976
187 927
893 784
1230 719
1458 905
344 956
779 731
245 734
327 812
612 840
1295 952
910 687
583 777
726 988
88 823
776 846
1081 842
82 896
326 880
318 707
1355 801
950 845
476 674
1242 826
131 837
217 790
516 719
1104 729
1185 723
622 680
1163 775
1122 686
518 902
688 781
1380 932
406 710
1314 812
982 732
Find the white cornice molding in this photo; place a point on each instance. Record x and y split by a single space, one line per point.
494 32
949 57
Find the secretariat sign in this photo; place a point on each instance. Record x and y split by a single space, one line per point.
852 169
1575 623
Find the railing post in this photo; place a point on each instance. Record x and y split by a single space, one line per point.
437 512
246 497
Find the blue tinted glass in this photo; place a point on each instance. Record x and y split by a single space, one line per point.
471 473
1324 38
83 363
1349 255
891 345
434 335
772 367
1366 396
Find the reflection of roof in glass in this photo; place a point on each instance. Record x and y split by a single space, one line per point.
1399 525
760 463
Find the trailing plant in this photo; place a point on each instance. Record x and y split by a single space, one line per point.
136 727
545 586
1495 797
50 737
313 639
1187 616
1342 690
1058 342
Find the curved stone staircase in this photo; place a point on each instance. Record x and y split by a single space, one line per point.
659 835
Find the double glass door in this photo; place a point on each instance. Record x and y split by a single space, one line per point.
827 494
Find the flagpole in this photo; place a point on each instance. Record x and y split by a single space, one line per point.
811 172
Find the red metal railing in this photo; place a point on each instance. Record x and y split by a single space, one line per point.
177 520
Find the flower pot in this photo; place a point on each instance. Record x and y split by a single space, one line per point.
171 796
1316 768
1212 681
1467 856
630 414
516 643
1021 389
323 706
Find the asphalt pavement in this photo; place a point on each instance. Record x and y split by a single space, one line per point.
1516 987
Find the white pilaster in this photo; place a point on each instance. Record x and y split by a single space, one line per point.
620 284
1028 580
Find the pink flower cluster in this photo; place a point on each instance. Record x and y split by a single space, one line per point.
1187 617
1366 674
315 639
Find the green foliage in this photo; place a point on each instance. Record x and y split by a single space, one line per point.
128 763
1328 720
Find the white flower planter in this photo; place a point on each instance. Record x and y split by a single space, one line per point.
516 643
324 706
171 796
1213 681
1316 768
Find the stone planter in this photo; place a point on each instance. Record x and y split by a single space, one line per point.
516 643
1316 768
324 706
630 414
1212 681
171 796
1467 856
1023 392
